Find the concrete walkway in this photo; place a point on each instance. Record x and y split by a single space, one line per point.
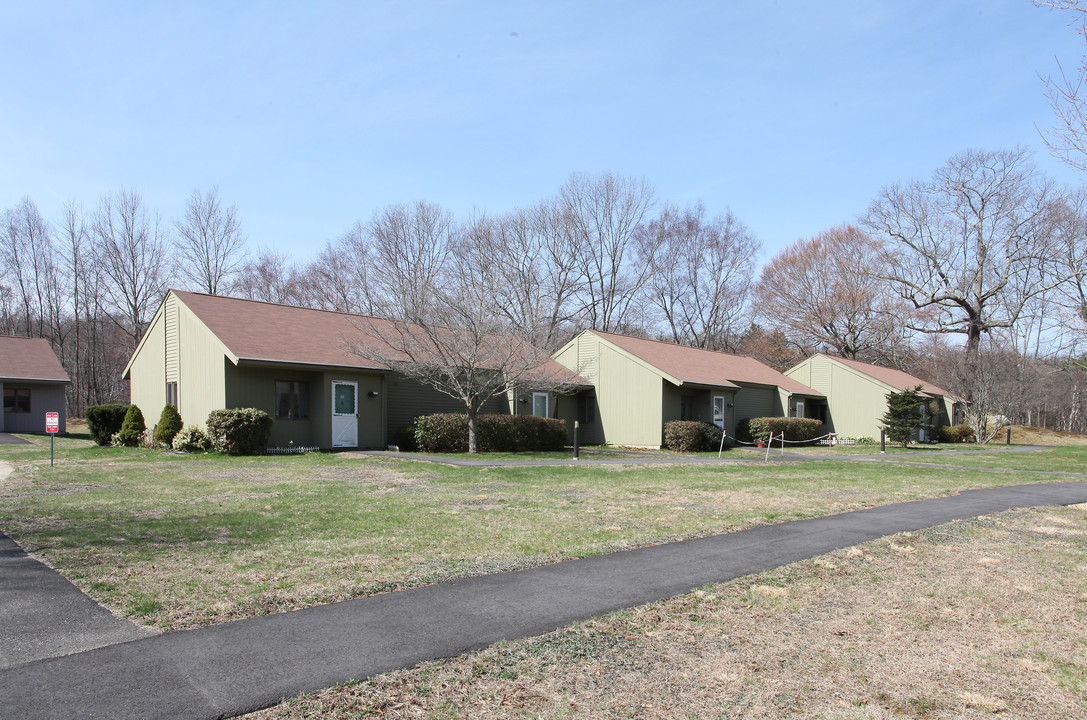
231 669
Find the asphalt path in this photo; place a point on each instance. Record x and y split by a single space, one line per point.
238 667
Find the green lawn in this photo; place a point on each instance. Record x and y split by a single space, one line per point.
181 541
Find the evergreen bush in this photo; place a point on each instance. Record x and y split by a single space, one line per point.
169 425
691 436
240 431
132 427
448 432
903 415
797 430
104 421
956 433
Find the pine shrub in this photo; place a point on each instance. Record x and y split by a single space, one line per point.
132 427
169 425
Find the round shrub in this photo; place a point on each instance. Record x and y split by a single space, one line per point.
956 433
242 431
691 436
132 427
191 439
169 425
104 421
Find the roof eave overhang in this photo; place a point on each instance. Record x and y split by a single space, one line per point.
35 379
278 363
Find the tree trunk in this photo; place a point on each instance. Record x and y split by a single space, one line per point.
473 441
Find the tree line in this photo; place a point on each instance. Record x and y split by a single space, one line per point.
973 278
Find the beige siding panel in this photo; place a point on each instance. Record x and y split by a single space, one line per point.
201 383
147 374
588 354
629 400
173 339
856 402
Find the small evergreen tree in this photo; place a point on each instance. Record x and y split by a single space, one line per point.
169 425
903 414
132 427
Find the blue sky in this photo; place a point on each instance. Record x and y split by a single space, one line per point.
310 116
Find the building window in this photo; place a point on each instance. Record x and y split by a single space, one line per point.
16 400
686 407
171 393
539 404
586 409
292 400
798 409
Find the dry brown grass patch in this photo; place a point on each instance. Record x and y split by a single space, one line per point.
871 632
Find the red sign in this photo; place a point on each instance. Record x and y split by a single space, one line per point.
52 422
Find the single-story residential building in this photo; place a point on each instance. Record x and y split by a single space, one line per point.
856 394
32 382
301 366
641 384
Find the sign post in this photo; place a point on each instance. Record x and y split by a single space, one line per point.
52 426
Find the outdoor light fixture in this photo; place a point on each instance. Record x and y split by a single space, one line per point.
372 393
730 404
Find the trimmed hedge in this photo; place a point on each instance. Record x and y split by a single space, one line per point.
448 432
691 436
132 428
758 430
104 421
240 431
956 433
169 424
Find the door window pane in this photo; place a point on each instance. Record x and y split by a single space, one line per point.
539 404
345 399
719 410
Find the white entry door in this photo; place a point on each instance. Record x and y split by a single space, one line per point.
345 414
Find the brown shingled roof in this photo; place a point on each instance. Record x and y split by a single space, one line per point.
255 331
705 367
23 358
895 378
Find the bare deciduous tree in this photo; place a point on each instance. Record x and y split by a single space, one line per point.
960 243
28 260
700 274
132 253
605 211
410 246
460 343
826 293
339 278
210 242
270 277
